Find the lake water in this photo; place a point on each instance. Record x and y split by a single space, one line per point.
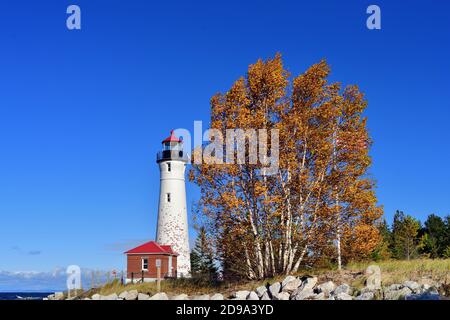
23 295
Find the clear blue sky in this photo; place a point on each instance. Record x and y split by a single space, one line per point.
82 113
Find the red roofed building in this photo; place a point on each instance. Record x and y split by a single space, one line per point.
143 260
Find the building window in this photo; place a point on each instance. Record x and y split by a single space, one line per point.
168 197
169 166
144 264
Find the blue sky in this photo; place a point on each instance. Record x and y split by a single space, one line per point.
82 113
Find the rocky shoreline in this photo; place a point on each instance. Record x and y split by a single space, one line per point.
293 288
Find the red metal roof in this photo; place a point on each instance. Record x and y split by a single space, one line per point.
172 138
152 247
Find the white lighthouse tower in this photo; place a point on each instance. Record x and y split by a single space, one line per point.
172 226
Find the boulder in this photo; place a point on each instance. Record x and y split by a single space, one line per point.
326 287
265 296
182 296
319 296
366 296
241 295
123 295
282 296
414 286
343 288
302 294
252 296
343 296
132 295
158 296
393 287
308 283
291 286
260 291
373 273
287 280
58 296
201 297
217 296
274 289
143 296
96 297
397 294
112 296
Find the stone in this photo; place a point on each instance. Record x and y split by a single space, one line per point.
217 296
132 295
158 296
373 273
343 296
308 283
397 294
182 296
241 295
414 286
199 297
58 296
319 296
287 280
282 296
292 285
112 296
366 296
252 296
123 295
394 286
326 287
302 294
143 296
265 296
96 297
260 291
343 288
274 289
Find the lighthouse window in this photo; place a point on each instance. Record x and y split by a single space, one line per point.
168 197
169 166
144 263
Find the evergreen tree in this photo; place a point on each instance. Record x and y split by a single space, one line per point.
405 231
433 241
202 257
383 251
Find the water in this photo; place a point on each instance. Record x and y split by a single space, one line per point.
23 295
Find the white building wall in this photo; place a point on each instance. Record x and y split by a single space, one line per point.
172 228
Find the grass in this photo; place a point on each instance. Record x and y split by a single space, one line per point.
392 271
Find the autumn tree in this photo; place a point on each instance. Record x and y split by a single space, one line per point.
319 201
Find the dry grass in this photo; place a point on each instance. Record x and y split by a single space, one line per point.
392 271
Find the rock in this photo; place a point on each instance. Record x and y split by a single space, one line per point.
51 297
308 283
260 291
303 294
96 297
343 288
86 299
252 296
182 296
110 297
282 296
326 287
292 285
373 273
132 295
319 296
241 295
287 280
58 296
217 296
414 286
366 296
123 295
394 286
158 296
343 296
274 289
397 294
201 297
143 296
265 296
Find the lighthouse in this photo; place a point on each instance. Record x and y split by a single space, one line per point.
172 228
